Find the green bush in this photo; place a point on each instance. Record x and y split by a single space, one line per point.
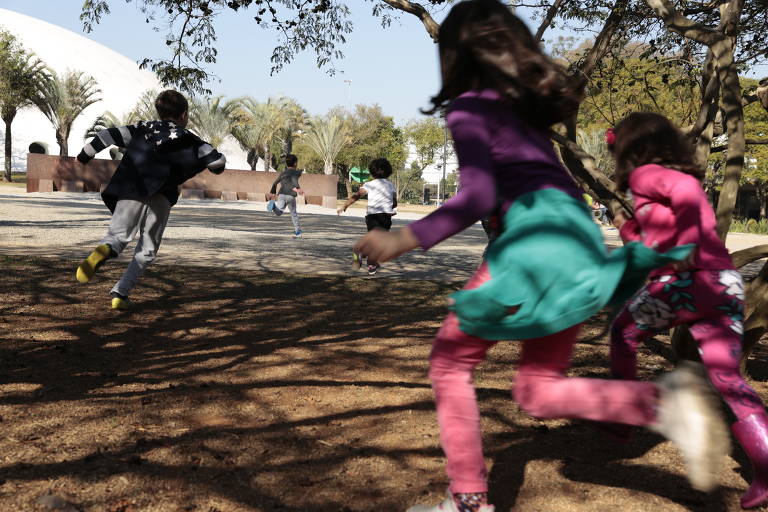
758 227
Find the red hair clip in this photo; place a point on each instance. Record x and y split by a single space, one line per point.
610 137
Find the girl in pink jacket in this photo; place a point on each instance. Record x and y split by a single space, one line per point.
654 162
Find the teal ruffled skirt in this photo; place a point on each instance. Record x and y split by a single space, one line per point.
550 270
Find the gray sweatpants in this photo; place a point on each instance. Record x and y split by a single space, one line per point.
285 201
147 216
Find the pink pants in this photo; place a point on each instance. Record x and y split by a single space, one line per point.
710 302
541 389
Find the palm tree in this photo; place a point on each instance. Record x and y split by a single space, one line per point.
256 127
594 144
145 107
327 137
294 119
22 79
64 99
212 119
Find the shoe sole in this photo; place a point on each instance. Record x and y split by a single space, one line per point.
697 428
91 264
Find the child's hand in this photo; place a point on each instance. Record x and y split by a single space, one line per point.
270 196
298 191
340 211
379 245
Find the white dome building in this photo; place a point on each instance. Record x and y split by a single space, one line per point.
119 78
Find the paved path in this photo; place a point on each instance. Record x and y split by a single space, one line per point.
240 234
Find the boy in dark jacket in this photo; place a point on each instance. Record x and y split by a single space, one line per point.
289 187
159 157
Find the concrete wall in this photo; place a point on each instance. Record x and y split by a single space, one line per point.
49 173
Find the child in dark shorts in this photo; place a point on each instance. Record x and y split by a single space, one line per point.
382 201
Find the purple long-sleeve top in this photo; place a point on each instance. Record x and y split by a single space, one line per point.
500 158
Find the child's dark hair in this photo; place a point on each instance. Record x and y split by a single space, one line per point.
484 46
648 138
380 168
171 104
291 160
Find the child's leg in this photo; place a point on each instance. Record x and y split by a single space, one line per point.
543 391
151 228
291 203
720 350
279 205
124 224
452 362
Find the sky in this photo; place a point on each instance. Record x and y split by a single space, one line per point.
396 67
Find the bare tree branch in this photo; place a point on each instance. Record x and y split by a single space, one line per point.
547 21
746 256
420 12
748 142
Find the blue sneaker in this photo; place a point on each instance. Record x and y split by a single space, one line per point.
270 205
297 234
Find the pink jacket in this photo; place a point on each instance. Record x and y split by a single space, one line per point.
671 209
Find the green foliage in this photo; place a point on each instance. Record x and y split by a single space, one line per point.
22 80
758 227
428 137
371 135
64 99
631 81
410 185
327 136
212 119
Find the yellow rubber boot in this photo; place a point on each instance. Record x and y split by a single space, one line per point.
120 303
91 264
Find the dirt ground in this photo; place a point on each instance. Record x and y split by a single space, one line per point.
229 390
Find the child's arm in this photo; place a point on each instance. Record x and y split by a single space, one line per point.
211 159
357 195
117 136
273 190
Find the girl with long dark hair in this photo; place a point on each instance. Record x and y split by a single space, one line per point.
654 161
545 273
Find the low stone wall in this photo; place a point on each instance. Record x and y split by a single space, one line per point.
50 173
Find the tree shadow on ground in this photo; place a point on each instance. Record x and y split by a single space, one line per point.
243 390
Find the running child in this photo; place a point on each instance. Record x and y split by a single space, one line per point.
382 201
546 272
289 187
655 163
160 156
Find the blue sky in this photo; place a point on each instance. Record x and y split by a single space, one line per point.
394 67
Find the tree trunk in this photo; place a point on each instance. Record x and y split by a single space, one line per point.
756 313
62 139
267 160
252 158
348 185
328 167
8 148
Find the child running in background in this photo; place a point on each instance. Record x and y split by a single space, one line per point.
547 271
382 201
160 156
655 163
289 187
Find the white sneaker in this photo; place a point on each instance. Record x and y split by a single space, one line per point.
448 505
689 416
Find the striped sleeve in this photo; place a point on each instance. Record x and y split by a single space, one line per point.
118 136
210 158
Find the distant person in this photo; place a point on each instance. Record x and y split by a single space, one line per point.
546 273
600 210
288 180
159 157
655 161
382 201
427 196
